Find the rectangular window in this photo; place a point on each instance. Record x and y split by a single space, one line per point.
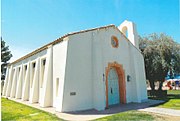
57 87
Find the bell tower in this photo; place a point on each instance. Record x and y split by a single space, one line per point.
128 28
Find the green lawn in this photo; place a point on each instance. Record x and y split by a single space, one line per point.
173 92
129 116
16 111
172 100
11 110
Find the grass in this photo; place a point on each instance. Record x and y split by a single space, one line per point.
128 116
172 100
173 92
15 111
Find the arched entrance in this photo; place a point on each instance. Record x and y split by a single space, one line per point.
115 84
113 88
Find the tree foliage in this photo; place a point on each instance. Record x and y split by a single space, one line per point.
5 56
161 55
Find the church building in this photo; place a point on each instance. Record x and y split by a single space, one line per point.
89 69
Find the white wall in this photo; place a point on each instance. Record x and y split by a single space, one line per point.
141 79
88 55
78 76
98 69
59 64
104 53
47 86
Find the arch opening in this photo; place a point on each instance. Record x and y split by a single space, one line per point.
116 71
125 31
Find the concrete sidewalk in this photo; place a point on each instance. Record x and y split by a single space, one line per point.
163 111
93 114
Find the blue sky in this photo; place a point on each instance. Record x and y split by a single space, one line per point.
29 24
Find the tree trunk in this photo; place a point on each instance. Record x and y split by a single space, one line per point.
152 84
160 85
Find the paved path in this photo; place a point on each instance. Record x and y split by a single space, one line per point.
164 111
94 114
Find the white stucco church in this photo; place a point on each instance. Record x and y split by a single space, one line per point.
89 69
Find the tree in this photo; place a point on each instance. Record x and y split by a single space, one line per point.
161 55
176 59
5 57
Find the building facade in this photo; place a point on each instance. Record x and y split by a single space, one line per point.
93 68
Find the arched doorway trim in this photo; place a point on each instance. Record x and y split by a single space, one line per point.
121 81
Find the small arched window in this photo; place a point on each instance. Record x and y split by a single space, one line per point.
125 31
114 41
